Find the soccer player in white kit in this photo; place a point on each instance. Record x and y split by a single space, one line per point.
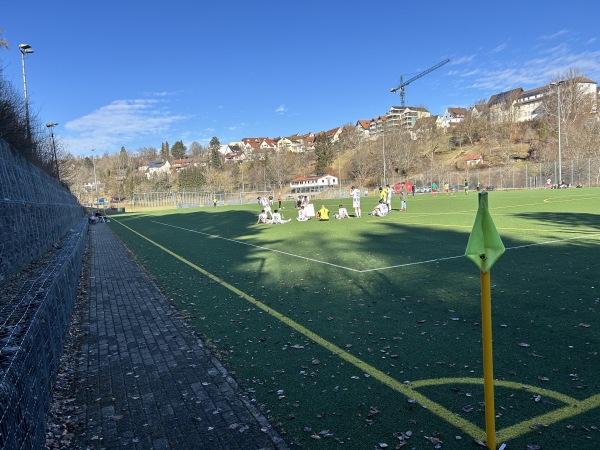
342 213
264 201
277 219
355 200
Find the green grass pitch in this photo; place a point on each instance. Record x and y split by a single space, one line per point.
365 331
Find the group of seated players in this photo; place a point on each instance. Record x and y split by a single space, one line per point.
306 210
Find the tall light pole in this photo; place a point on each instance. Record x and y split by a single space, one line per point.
383 155
242 170
557 84
95 182
339 173
25 49
51 125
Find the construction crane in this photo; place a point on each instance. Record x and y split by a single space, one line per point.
416 77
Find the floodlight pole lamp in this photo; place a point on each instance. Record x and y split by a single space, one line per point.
51 125
25 49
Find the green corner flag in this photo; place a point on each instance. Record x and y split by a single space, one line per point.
484 246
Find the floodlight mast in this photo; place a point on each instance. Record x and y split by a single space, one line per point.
416 77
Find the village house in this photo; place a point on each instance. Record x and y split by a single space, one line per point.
314 183
473 160
181 164
362 128
453 116
156 168
238 156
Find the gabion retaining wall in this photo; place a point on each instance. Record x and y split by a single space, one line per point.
35 212
38 290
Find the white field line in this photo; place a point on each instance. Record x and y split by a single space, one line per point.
436 260
259 247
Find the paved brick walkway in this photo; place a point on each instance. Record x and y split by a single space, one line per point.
147 381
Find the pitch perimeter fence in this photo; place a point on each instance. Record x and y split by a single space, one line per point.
195 199
581 172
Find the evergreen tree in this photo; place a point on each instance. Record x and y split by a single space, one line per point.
164 151
191 179
215 161
324 153
214 143
178 150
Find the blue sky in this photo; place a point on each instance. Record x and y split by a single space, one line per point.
136 73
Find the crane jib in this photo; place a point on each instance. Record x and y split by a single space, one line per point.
416 77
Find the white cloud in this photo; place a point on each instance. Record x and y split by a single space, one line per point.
117 124
499 48
462 60
281 109
536 69
236 127
555 35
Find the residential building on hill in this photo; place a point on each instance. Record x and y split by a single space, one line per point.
362 128
528 104
156 168
473 160
238 156
313 183
501 106
453 116
405 116
377 126
181 164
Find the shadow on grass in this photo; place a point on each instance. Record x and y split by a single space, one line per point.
568 220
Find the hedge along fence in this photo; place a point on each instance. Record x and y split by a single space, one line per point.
36 213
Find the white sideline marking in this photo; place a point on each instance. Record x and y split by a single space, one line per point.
517 247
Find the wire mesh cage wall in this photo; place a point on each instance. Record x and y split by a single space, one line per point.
43 230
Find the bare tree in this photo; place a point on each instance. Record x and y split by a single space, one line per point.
363 161
577 104
473 126
401 152
147 154
196 150
281 167
3 41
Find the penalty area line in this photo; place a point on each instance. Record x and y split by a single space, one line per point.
375 269
258 247
517 247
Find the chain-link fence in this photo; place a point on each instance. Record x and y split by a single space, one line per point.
166 200
583 172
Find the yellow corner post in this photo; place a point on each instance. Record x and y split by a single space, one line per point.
484 248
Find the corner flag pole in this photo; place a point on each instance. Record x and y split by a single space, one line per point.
484 248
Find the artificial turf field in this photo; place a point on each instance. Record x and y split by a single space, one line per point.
359 332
